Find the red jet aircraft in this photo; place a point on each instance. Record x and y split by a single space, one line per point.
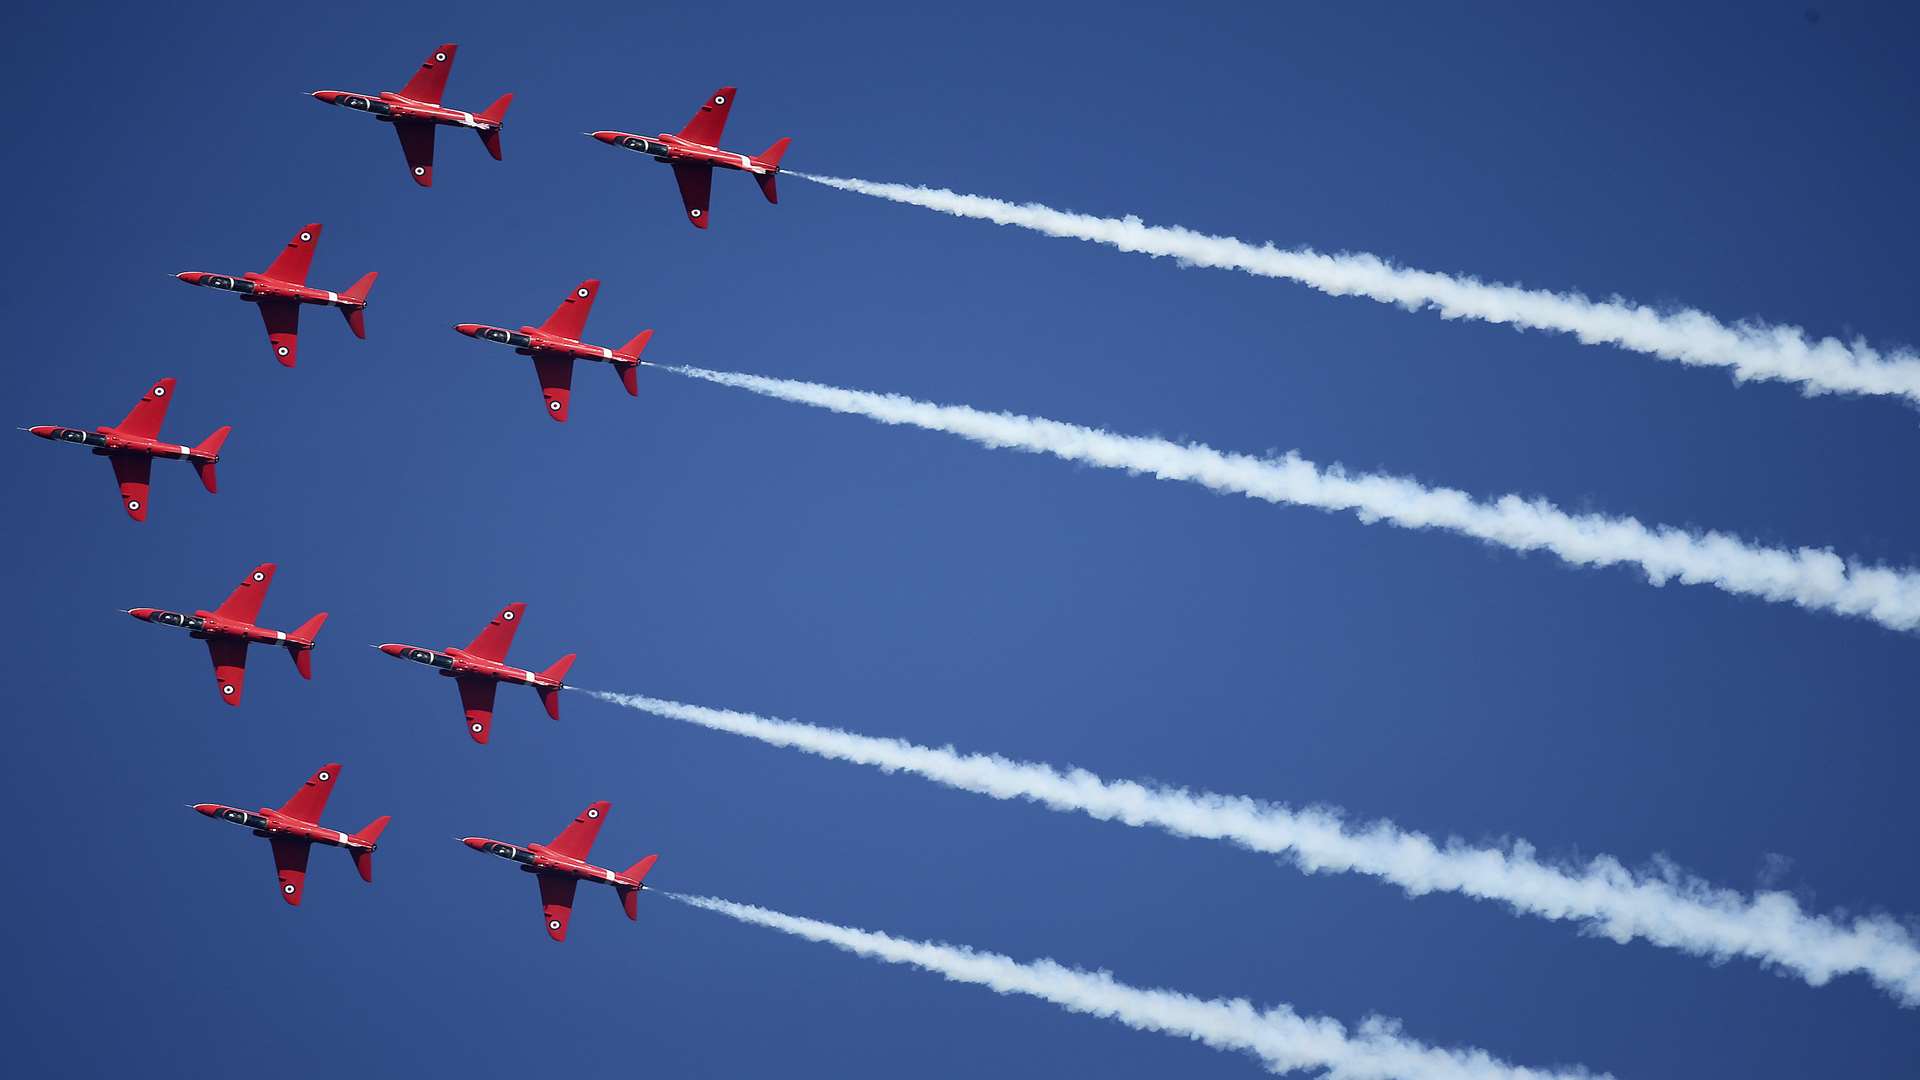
555 345
229 629
282 287
480 670
416 110
133 445
693 155
293 832
562 865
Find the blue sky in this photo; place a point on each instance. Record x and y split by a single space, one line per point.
707 545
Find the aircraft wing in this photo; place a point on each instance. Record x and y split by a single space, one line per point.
290 859
243 604
229 666
494 641
145 419
310 801
294 259
476 696
556 897
430 82
416 141
556 381
577 838
696 185
283 328
133 471
570 318
711 120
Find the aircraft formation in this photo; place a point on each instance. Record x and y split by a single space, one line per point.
279 292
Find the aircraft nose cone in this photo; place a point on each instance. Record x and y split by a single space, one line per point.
141 613
391 650
477 843
43 431
470 329
603 136
207 808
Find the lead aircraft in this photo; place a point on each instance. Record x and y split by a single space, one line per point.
555 345
281 288
480 669
293 829
562 866
132 445
230 628
694 155
416 110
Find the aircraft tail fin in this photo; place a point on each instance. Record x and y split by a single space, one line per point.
206 454
629 369
357 314
767 180
363 860
496 114
638 345
550 697
300 644
630 895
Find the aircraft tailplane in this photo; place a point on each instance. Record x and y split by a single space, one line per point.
766 180
628 369
357 314
630 896
300 644
204 457
549 697
363 860
495 114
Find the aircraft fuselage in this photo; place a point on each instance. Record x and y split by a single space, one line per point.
529 340
670 149
388 107
268 822
459 663
109 441
205 624
539 859
254 288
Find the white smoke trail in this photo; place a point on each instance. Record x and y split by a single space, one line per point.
1281 1038
1666 907
1813 578
1750 350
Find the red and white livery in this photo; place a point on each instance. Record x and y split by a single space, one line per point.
281 289
480 668
231 627
694 155
562 866
415 111
294 828
132 445
555 344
